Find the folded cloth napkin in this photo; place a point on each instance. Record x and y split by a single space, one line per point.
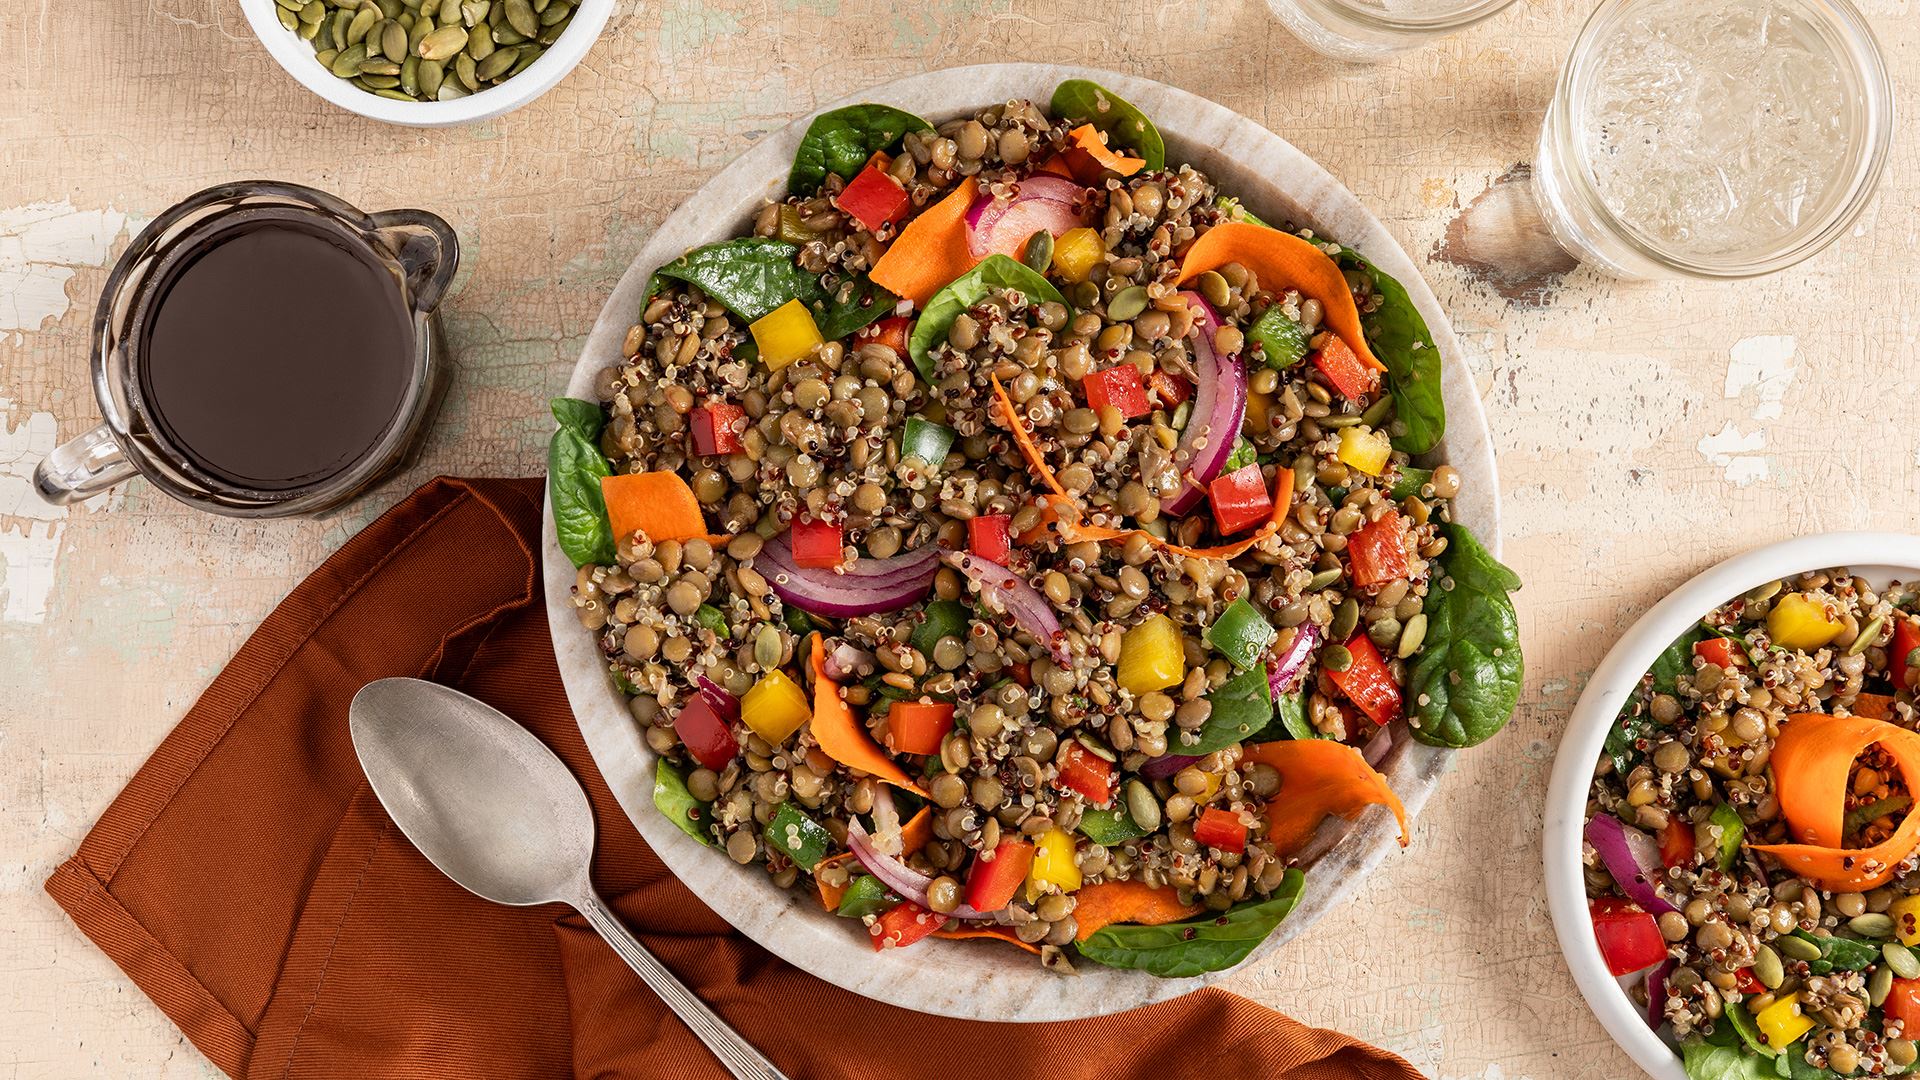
250 883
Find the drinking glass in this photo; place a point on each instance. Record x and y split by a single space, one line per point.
1366 30
1713 138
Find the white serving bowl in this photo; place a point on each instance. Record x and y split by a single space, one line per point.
974 979
296 56
1878 557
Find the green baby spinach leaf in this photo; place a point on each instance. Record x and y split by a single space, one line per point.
713 619
1465 681
940 618
1634 724
1838 953
752 275
994 274
1741 1021
1209 943
1110 828
1242 706
842 140
1401 340
1124 125
677 804
574 468
1703 1060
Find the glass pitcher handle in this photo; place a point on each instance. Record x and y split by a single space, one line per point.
427 248
82 467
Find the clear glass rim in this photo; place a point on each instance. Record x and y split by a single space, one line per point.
1860 48
1373 18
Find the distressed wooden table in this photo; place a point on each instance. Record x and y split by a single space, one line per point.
1644 430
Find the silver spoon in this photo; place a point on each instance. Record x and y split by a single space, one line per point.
497 811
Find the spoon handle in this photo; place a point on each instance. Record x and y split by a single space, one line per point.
734 1052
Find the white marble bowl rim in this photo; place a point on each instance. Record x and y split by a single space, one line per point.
970 979
1878 557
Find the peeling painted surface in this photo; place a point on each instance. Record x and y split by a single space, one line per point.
1626 467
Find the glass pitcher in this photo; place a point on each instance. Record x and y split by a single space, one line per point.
419 249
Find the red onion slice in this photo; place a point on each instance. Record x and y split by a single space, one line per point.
998 226
719 697
847 661
1007 592
1285 674
1632 857
865 586
1219 407
896 875
1164 766
1657 993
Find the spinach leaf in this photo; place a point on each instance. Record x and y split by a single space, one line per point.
1676 660
1209 943
713 619
841 141
1400 338
752 275
1634 724
1241 707
1235 210
1282 340
1704 1061
1079 99
1466 680
1293 716
677 804
1110 828
1741 1021
995 273
1838 954
574 468
940 618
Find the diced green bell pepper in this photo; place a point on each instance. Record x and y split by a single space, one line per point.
798 837
1412 479
712 618
1241 634
1732 830
866 895
925 441
1109 828
1281 339
677 804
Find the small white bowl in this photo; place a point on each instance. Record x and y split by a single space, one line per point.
294 54
1878 557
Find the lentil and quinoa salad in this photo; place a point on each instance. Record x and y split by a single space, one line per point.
1013 538
1751 847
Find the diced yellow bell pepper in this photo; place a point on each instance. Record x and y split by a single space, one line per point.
1799 622
785 334
1151 657
1054 868
1364 449
1906 919
1076 253
1782 1023
775 707
1259 412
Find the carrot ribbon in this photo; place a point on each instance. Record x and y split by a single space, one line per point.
1282 260
931 251
659 504
841 735
1105 903
1812 765
1318 778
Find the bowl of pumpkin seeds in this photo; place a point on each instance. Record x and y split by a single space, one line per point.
428 63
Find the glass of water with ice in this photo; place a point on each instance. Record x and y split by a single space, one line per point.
1374 29
1713 138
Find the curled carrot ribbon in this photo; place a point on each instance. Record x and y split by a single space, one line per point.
1812 762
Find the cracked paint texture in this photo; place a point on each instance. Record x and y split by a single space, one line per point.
1644 430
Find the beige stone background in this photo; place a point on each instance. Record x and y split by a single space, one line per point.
1644 430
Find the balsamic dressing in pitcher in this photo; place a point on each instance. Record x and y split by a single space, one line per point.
274 354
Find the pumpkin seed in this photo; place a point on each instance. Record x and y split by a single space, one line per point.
1869 634
378 82
767 647
410 75
395 95
391 8
287 18
1768 968
1879 986
1764 592
1039 254
418 32
1378 413
1872 925
379 67
313 11
308 31
363 21
520 16
291 5
527 56
450 13
492 67
555 12
1323 579
338 24
443 43
347 64
465 73
1127 303
1345 618
1901 960
551 34
480 46
393 41
1798 948
431 74
1142 807
325 56
1337 658
474 12
1412 636
507 35
1339 420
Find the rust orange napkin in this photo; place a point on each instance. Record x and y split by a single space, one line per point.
249 882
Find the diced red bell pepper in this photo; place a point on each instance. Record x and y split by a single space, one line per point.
917 727
989 536
1906 638
991 883
1367 682
1720 652
1903 1004
1171 389
716 429
1086 774
1240 499
1119 387
903 924
1676 844
894 331
874 198
1629 937
1348 373
1377 551
705 733
1221 829
1020 672
817 544
1748 982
